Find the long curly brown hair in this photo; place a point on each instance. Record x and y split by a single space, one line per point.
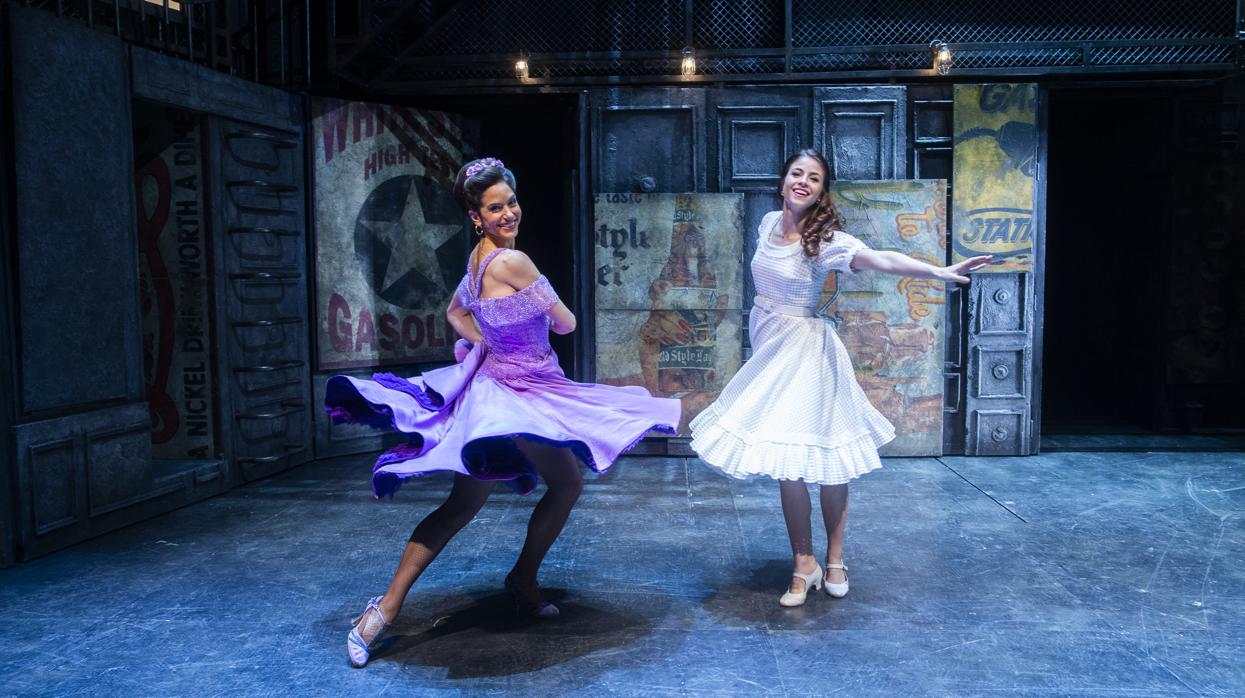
823 218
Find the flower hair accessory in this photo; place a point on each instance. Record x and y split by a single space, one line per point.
478 166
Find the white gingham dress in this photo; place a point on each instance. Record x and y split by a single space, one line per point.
794 411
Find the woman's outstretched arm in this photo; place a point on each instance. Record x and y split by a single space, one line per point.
889 262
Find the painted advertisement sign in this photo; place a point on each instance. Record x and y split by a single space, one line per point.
669 276
175 283
893 326
995 160
389 239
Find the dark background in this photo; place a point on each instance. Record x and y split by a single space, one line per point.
536 136
1143 327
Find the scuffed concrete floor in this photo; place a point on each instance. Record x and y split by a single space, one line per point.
1097 574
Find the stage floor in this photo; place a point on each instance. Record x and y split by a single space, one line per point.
1099 574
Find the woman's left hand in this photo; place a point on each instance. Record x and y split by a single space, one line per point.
956 272
461 349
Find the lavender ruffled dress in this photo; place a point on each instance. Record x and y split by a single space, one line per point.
463 417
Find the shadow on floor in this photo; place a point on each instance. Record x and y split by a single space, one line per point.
480 635
752 602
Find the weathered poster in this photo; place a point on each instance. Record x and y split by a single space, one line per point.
893 326
995 159
175 282
389 239
669 275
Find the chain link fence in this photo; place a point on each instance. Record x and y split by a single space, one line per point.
868 22
584 41
399 45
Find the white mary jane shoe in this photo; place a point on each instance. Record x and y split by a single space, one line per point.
837 589
812 581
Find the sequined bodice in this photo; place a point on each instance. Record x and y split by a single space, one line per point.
514 326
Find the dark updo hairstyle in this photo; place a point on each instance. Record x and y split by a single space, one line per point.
486 173
823 218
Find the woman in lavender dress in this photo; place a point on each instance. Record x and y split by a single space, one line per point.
505 411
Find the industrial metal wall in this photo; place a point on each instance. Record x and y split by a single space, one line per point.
868 133
81 437
8 499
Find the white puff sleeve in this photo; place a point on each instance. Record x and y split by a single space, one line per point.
839 252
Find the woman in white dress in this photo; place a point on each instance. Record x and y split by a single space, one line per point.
794 411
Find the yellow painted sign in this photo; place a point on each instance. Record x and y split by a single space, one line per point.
994 164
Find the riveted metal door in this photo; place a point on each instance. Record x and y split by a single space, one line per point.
999 209
862 131
1000 365
648 141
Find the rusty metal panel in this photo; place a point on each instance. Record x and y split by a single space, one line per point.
53 482
649 141
999 373
995 160
669 289
862 131
389 238
893 326
175 81
118 463
75 472
754 138
998 432
77 324
8 518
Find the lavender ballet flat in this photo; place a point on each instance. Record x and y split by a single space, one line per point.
358 650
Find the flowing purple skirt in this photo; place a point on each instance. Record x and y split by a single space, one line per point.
462 419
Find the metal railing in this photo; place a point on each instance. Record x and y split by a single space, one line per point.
259 40
473 43
394 46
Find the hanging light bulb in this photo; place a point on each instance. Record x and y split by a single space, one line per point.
521 66
942 56
688 66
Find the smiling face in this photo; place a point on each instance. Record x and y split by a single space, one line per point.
803 183
499 214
